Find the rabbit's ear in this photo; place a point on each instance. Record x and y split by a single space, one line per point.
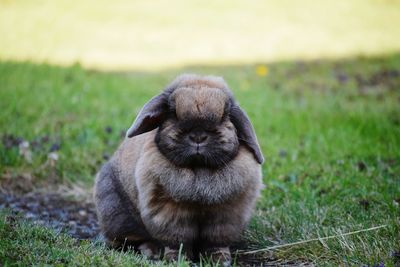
150 116
245 131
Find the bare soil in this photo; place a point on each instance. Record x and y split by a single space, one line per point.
78 219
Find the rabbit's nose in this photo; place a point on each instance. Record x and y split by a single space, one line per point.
198 138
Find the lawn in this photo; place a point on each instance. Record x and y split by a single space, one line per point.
330 131
320 82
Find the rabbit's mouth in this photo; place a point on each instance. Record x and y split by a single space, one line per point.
197 157
197 160
199 149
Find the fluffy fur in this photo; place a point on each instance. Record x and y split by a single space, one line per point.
191 173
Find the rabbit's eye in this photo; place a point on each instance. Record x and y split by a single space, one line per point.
172 114
210 131
186 128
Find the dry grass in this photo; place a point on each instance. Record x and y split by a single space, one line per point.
139 35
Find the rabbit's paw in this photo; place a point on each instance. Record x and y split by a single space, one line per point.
220 255
150 250
172 254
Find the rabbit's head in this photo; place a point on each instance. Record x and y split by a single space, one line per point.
199 123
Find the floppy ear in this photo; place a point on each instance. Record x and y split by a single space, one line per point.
150 116
245 131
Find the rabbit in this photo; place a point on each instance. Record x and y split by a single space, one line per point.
188 172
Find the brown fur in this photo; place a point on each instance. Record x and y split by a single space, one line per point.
142 196
196 103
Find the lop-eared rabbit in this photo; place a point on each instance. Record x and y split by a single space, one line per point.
188 172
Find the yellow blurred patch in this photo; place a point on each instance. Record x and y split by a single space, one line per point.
262 70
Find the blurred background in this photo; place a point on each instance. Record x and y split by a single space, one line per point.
127 35
320 81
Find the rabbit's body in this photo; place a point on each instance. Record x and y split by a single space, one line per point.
175 210
142 194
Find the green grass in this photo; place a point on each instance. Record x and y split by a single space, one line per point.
25 244
329 128
330 131
128 34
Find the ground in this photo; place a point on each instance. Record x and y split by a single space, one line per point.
329 129
319 80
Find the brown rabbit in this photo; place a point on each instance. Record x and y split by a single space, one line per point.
189 172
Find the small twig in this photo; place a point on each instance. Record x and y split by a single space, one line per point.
311 240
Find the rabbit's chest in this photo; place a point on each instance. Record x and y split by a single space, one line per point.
163 208
154 174
201 186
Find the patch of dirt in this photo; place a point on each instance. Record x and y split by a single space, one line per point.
78 219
